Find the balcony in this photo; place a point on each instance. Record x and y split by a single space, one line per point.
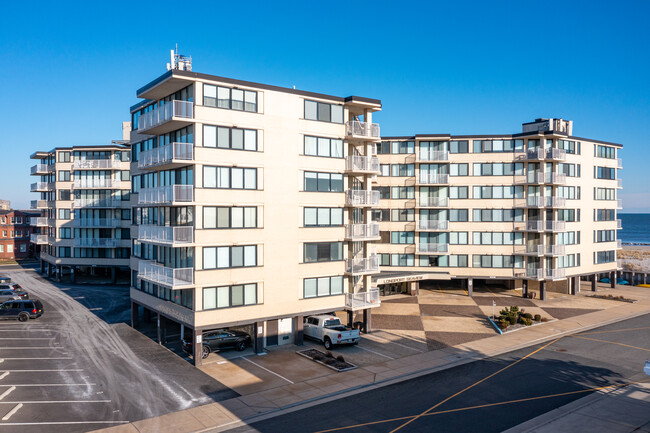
175 278
362 232
39 169
427 178
619 224
355 128
38 221
432 248
38 204
434 155
166 194
556 178
38 239
534 177
619 183
81 203
555 274
169 155
555 201
555 226
38 187
554 250
361 198
95 242
535 273
556 154
98 222
100 164
532 250
362 164
362 300
96 183
434 202
535 201
362 266
619 163
619 204
535 154
173 115
619 244
534 226
167 235
432 225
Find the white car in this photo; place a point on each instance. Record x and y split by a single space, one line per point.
329 330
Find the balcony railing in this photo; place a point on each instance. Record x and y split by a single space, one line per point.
80 203
166 154
38 221
555 201
535 154
535 177
619 244
535 273
619 163
38 204
556 154
434 155
534 226
98 222
554 250
434 201
362 129
433 248
361 266
360 232
619 183
555 226
102 164
619 224
165 113
433 225
555 274
427 178
362 300
535 201
95 242
532 250
38 239
159 274
96 183
362 164
619 204
38 186
39 169
361 197
556 178
167 235
166 194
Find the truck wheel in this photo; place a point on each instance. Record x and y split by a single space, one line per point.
327 343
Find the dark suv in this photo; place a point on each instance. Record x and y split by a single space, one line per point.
22 310
217 340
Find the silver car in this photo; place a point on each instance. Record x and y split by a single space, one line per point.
11 295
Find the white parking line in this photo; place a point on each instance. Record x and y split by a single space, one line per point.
12 411
51 384
7 392
3 375
30 359
385 340
34 347
37 371
31 338
65 422
264 368
55 401
376 353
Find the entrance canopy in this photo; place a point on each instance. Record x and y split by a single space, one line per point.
405 276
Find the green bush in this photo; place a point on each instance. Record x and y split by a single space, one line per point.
512 319
526 321
537 317
527 315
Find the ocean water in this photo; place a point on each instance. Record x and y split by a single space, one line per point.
636 228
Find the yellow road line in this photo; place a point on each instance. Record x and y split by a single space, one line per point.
615 330
473 385
610 342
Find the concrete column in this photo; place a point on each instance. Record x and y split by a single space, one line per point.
350 318
134 314
612 280
113 275
542 290
73 277
42 266
298 330
524 289
594 282
182 331
59 272
159 331
197 344
569 286
367 321
576 285
259 337
470 287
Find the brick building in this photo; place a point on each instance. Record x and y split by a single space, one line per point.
15 231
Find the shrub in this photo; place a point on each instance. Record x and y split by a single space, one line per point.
340 358
544 319
526 321
329 354
537 317
527 315
512 319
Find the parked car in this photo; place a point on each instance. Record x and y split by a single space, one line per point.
11 295
329 330
10 286
5 280
22 310
217 340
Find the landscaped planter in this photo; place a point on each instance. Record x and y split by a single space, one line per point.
614 298
511 319
327 359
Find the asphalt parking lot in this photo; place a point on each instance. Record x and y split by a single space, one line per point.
79 367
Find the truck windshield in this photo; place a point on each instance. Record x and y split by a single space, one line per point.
332 322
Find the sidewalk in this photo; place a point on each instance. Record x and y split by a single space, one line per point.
287 398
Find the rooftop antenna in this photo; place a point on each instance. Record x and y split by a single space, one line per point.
179 61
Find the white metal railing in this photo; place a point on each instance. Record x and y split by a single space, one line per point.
38 186
555 201
38 169
166 235
534 225
362 164
434 155
555 178
95 242
535 154
433 248
106 164
164 113
38 221
38 204
535 201
97 222
555 274
427 178
619 224
166 194
93 202
165 154
361 231
619 183
619 244
362 300
362 129
556 154
433 225
555 226
535 177
434 201
555 250
619 163
91 182
534 249
369 265
361 197
535 273
159 274
38 239
619 204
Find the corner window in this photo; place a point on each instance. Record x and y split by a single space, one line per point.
323 112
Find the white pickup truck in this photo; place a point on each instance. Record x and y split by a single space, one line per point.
329 330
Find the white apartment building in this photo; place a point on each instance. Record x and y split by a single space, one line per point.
85 210
533 210
251 206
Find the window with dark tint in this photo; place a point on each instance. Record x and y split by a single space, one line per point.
323 252
323 112
323 182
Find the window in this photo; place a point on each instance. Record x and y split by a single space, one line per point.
323 182
458 238
402 260
458 192
64 156
64 214
402 237
602 173
402 170
571 170
605 152
459 169
403 215
229 177
64 194
499 169
229 217
459 146
383 148
486 261
458 215
604 235
604 214
569 146
384 169
496 146
323 252
568 215
604 257
320 146
381 214
507 192
63 176
233 99
323 217
323 112
65 233
384 191
64 251
402 192
229 257
324 286
403 147
605 193
497 238
229 296
229 138
568 192
498 215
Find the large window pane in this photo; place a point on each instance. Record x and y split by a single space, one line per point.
237 139
223 179
250 99
324 112
237 220
311 183
323 216
223 297
337 216
250 178
336 284
250 217
337 148
209 136
250 294
237 178
209 95
337 183
223 217
311 110
310 216
323 286
323 182
250 139
323 147
250 255
311 146
209 258
237 293
209 177
237 99
223 97
237 257
209 217
223 137
209 298
310 287
337 113
223 257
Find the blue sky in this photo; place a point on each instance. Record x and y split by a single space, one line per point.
70 70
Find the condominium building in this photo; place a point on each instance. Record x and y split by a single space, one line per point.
251 205
15 232
85 210
532 210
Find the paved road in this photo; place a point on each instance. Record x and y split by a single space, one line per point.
487 396
80 367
